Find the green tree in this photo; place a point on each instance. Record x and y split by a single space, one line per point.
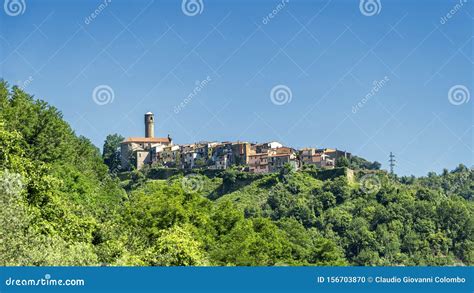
252 242
111 152
176 246
342 162
326 253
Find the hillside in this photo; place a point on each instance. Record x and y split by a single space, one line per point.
60 205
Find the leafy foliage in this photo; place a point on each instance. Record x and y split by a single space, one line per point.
61 203
111 152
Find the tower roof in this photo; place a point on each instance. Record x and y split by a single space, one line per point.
148 113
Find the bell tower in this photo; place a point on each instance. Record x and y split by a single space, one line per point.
149 125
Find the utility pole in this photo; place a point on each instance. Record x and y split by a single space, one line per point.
392 162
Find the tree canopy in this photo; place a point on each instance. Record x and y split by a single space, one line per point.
62 202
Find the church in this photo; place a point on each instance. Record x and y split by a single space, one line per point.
138 150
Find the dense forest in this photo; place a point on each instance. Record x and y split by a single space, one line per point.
62 202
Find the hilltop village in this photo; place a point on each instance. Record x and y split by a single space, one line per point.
137 152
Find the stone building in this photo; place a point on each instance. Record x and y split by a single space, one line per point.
258 163
221 156
167 156
240 153
265 147
277 158
334 153
322 158
137 152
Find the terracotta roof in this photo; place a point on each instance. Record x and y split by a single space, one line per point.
280 155
259 154
147 139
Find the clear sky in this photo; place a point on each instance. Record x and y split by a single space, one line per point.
208 74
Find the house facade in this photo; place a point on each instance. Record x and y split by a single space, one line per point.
277 161
137 152
258 163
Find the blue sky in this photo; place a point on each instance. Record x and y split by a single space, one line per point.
327 53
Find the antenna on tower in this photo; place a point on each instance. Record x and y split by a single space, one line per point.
392 162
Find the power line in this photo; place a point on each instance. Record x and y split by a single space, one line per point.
392 162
